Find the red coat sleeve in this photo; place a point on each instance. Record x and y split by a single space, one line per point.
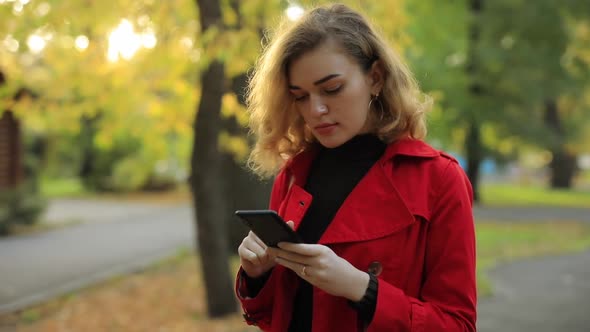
258 310
448 295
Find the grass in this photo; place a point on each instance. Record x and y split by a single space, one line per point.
515 195
169 296
52 188
62 187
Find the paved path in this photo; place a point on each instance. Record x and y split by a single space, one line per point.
532 214
540 295
99 211
114 239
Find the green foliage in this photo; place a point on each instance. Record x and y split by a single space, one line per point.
124 165
20 206
104 160
528 61
129 175
528 52
134 173
438 57
150 96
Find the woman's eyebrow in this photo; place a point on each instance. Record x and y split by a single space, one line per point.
320 81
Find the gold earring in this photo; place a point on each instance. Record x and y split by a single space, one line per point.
376 98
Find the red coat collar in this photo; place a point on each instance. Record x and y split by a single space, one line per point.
299 165
410 147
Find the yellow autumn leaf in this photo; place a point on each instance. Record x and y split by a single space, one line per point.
235 145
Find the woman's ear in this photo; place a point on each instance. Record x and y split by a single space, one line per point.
377 77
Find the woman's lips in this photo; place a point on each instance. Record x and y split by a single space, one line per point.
326 129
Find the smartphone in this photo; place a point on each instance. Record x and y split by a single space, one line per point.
268 226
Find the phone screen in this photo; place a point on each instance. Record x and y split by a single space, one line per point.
268 226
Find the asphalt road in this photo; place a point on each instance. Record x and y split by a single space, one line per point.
37 267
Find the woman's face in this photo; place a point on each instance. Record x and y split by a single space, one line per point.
332 93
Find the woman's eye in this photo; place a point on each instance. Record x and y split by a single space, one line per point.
333 90
300 98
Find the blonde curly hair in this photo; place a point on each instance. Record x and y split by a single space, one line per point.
279 129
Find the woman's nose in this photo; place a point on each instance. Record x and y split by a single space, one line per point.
318 107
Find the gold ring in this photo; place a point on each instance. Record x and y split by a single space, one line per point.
303 271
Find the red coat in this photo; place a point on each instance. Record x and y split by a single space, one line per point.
411 214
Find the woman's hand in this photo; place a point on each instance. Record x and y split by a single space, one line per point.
254 256
321 267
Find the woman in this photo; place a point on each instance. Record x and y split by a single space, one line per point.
386 219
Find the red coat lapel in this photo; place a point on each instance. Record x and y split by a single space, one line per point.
373 209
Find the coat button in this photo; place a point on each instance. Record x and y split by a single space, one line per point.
375 268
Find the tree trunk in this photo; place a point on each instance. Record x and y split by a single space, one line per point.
207 180
11 165
563 168
473 144
563 165
88 130
243 189
11 153
473 148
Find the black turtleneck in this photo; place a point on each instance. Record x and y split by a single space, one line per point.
333 175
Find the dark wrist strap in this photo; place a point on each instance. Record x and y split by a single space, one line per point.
255 285
370 298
